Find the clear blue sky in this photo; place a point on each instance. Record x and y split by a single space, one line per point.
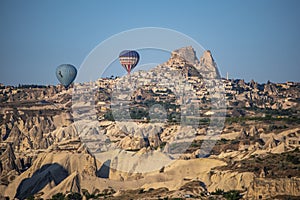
257 39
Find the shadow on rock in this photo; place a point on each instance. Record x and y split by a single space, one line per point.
103 172
47 174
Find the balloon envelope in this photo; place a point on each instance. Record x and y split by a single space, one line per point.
129 59
66 74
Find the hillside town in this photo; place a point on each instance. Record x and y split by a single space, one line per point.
179 130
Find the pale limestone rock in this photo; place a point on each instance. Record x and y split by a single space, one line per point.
187 53
207 66
253 131
267 188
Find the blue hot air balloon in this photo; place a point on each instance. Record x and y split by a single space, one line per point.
66 74
129 59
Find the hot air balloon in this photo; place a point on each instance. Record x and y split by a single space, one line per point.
129 59
66 74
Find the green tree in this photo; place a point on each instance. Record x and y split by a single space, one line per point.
232 195
74 196
58 196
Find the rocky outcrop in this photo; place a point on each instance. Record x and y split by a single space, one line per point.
133 143
135 136
58 170
70 184
270 89
186 57
266 188
27 133
271 143
229 180
187 53
207 66
253 131
243 134
8 164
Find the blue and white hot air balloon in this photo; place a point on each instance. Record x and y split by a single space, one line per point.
66 74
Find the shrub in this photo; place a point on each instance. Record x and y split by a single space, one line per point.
74 196
88 195
218 192
293 159
232 195
58 196
31 197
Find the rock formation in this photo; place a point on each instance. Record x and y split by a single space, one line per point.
59 170
262 188
187 53
186 56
